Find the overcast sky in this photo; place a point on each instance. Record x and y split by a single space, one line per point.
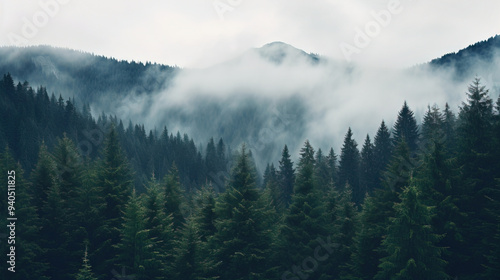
199 33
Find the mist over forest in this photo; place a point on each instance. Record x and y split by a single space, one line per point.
275 164
266 97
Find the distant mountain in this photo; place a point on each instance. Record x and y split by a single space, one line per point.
266 97
278 52
84 76
477 58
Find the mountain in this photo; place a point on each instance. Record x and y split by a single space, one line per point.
84 76
267 97
465 63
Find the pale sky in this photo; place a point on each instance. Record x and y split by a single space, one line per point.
200 33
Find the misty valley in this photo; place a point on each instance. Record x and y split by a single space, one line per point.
276 164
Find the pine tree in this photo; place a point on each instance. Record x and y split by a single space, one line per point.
205 216
410 242
432 126
349 167
331 160
189 264
133 249
345 230
305 221
28 264
69 181
475 156
368 171
242 239
382 152
114 181
85 273
322 171
43 178
159 231
286 176
437 183
406 128
367 242
174 197
449 129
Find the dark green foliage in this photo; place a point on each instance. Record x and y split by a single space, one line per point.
410 242
85 273
304 223
382 152
476 158
134 248
349 167
174 197
160 231
367 169
114 181
241 238
406 128
367 242
28 262
286 176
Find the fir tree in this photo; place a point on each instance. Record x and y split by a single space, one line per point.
174 197
133 249
382 152
410 242
406 128
368 171
305 221
242 239
28 264
286 176
114 181
349 167
85 273
475 156
159 231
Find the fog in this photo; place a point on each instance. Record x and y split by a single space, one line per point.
280 95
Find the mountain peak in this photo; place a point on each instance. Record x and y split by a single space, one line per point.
278 52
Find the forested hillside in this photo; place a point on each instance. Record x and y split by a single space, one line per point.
100 199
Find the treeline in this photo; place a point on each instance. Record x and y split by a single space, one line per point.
31 117
420 202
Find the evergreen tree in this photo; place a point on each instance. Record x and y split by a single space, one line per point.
241 238
174 197
368 171
85 273
410 242
331 160
436 182
406 128
43 178
133 249
305 221
286 176
433 125
367 251
114 181
69 181
205 215
322 171
28 264
449 129
159 231
345 230
476 158
349 167
382 152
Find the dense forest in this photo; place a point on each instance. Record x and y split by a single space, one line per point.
97 199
